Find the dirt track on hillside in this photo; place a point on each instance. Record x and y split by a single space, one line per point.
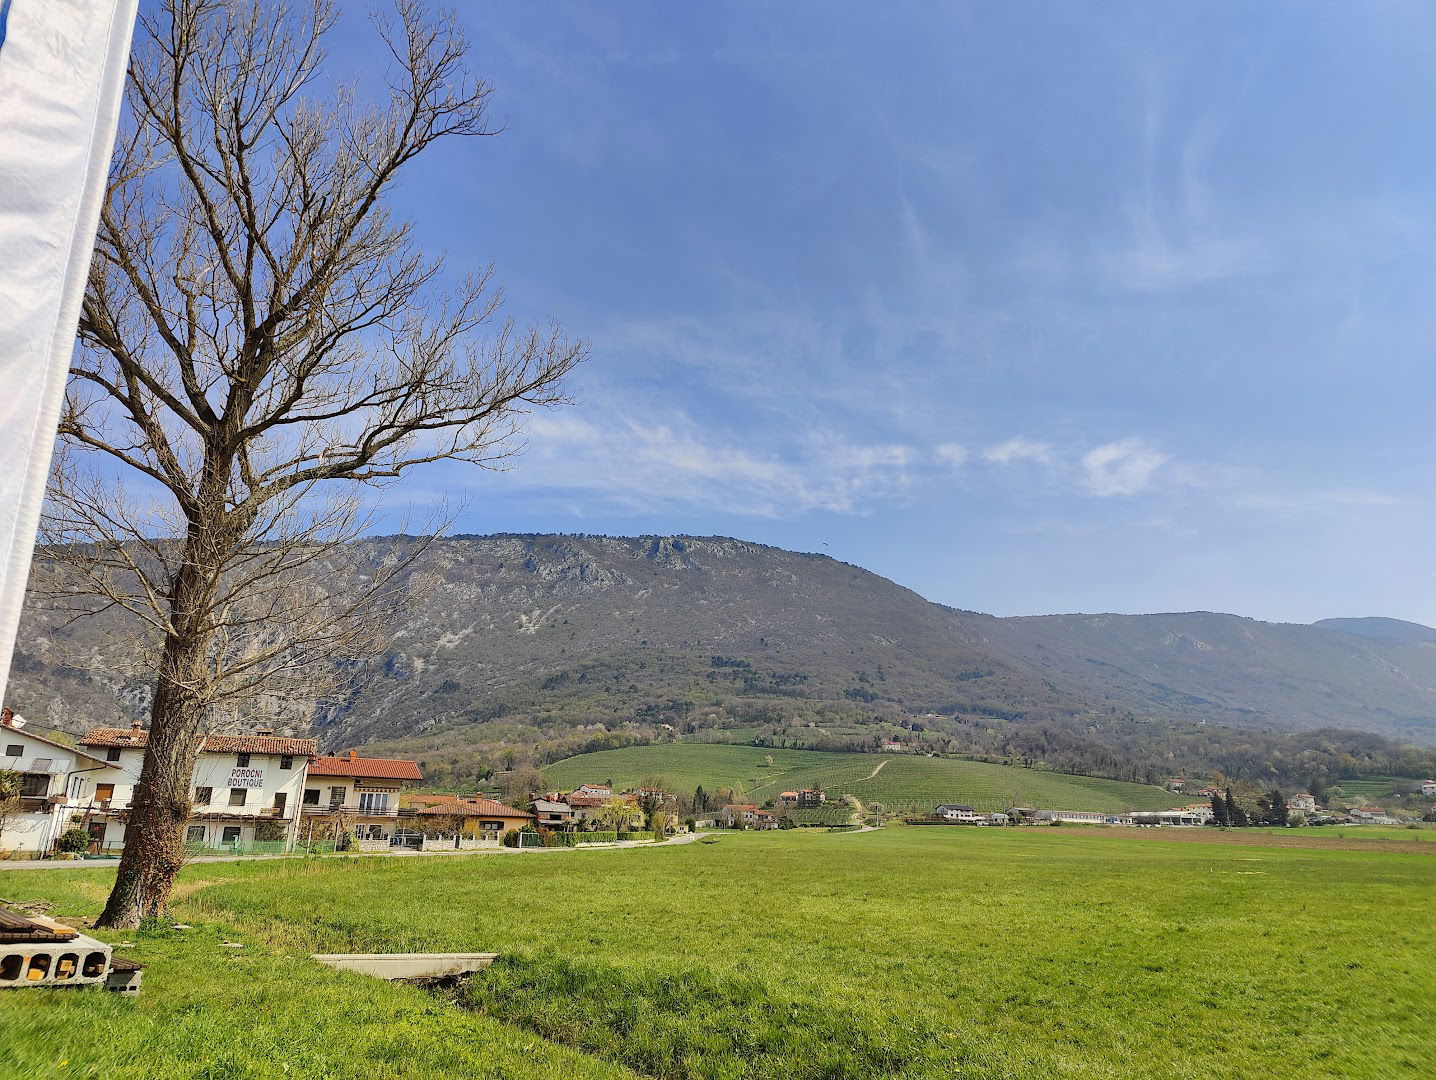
1298 839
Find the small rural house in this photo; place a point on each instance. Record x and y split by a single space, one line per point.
53 779
246 787
360 796
594 791
1304 801
739 815
892 744
1371 815
959 813
551 812
1428 787
467 820
806 799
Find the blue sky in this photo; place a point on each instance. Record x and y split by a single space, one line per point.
1031 307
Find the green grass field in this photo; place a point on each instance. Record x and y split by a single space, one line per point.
905 782
908 952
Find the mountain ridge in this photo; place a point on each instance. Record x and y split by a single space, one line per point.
566 638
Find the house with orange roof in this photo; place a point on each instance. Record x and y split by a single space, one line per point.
345 794
463 822
739 815
246 788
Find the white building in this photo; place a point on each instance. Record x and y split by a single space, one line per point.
360 796
961 814
53 777
1372 815
243 784
1304 801
1428 787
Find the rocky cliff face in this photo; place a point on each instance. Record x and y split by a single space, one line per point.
575 633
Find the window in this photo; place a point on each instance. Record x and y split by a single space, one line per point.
104 792
34 785
286 761
112 754
194 834
231 832
373 802
241 761
311 796
279 800
14 750
336 796
203 796
491 826
237 796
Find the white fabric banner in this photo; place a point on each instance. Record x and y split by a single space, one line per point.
62 70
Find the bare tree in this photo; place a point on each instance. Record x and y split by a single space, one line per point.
259 328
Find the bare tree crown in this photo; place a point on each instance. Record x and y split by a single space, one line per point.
259 324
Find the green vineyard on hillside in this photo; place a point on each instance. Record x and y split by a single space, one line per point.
898 781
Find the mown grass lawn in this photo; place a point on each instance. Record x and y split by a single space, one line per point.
908 952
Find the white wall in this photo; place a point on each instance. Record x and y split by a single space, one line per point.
216 771
38 829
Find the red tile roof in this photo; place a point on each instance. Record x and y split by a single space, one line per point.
353 765
137 738
475 807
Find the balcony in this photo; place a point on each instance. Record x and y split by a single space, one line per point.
354 811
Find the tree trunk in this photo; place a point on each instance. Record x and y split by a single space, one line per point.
153 852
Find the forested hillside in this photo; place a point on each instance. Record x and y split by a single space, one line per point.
526 649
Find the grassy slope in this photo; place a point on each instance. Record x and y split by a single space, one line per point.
905 782
984 953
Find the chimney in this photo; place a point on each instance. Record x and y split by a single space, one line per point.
7 716
265 731
136 726
353 755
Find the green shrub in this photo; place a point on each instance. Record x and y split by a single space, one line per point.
73 842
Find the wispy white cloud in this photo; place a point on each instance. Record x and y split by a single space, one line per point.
1019 449
950 454
1125 467
646 465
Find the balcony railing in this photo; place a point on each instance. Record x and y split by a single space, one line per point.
391 812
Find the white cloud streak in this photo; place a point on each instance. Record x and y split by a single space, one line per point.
1126 467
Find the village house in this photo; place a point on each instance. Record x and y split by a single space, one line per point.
1371 815
358 796
765 819
739 815
53 781
594 791
959 813
1428 787
1209 791
246 788
466 821
1176 783
892 744
1303 801
806 799
551 812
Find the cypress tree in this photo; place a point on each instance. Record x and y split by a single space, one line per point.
1278 814
1236 817
1219 811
